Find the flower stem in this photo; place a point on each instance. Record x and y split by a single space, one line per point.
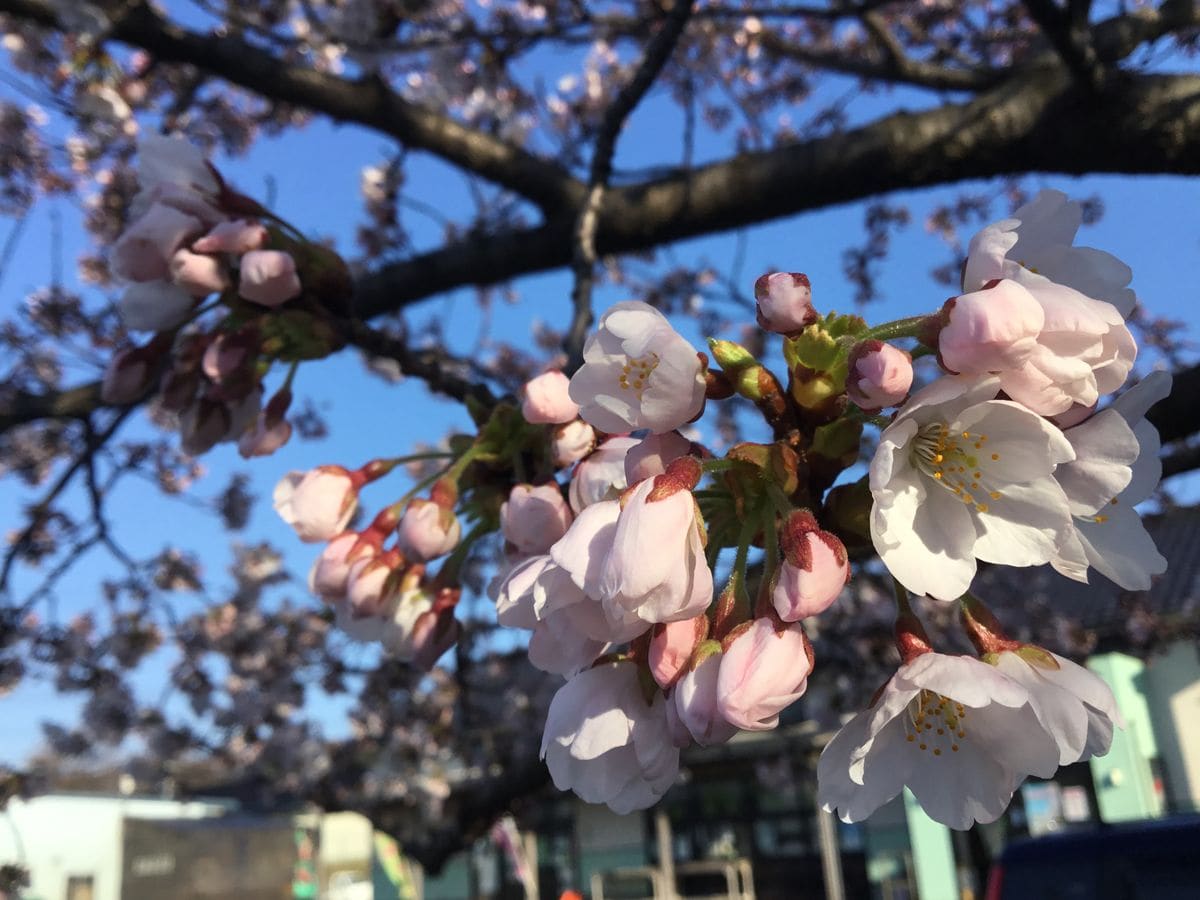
888 331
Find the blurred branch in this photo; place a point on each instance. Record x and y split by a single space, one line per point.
658 51
367 100
1068 32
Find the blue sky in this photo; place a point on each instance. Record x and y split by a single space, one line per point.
1151 222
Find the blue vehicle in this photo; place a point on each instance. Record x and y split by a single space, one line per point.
1152 860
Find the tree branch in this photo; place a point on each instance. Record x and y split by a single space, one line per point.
1068 32
367 101
658 51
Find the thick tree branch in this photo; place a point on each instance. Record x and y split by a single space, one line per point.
367 101
1068 32
1039 123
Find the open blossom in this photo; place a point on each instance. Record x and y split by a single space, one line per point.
169 160
427 530
1117 467
656 567
960 734
1074 705
960 476
1039 237
638 372
1084 349
548 401
606 743
814 570
318 503
784 302
764 670
533 518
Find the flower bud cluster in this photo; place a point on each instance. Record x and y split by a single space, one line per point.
378 593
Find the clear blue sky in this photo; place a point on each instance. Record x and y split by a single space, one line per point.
1152 223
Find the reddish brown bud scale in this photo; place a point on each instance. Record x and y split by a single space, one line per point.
911 637
983 628
682 474
444 493
735 633
717 385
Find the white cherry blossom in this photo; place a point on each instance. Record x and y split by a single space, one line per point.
959 477
638 372
1074 705
1039 237
605 742
1117 468
960 734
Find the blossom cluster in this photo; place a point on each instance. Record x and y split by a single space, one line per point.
672 588
191 238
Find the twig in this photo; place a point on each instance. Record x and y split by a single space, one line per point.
93 443
658 51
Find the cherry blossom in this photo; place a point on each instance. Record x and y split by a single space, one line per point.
814 571
656 566
600 476
696 697
764 670
784 302
638 372
317 503
960 476
879 375
547 400
534 517
960 734
1117 468
606 742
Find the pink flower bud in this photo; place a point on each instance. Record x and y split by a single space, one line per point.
224 356
197 273
143 251
652 455
329 572
696 697
317 503
672 645
784 302
547 401
203 425
991 330
127 377
268 277
814 570
432 635
571 442
427 530
764 670
265 437
880 375
238 237
370 585
533 518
